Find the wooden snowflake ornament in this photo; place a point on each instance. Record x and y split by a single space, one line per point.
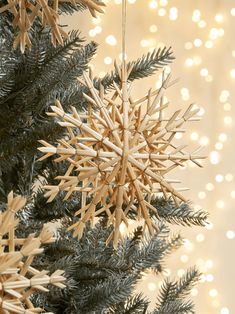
119 154
26 11
18 279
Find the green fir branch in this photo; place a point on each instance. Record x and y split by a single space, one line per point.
143 67
176 307
136 304
181 214
172 291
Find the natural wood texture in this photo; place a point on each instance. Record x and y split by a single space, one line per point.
26 11
120 153
18 279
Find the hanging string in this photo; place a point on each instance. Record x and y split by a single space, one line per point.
124 5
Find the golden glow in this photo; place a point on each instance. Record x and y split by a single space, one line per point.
232 73
194 136
219 178
173 14
185 94
121 56
224 95
219 18
209 263
153 4
214 33
111 40
152 286
209 78
229 177
197 60
188 45
209 226
210 186
230 234
92 33
163 3
122 228
213 293
161 12
204 72
232 194
221 32
223 137
196 16
194 292
224 310
96 20
153 28
227 107
180 272
204 140
214 157
98 29
189 62
232 11
178 136
197 42
108 60
200 237
202 24
209 44
228 120
220 204
167 272
184 258
201 112
215 303
219 146
209 277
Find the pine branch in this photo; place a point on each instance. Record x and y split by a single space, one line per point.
7 67
69 8
176 307
40 59
134 243
143 67
185 284
103 279
172 291
17 157
112 292
152 254
43 71
46 212
54 79
180 215
136 304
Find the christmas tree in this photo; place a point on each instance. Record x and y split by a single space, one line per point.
101 275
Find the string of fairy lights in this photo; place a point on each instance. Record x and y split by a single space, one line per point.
205 36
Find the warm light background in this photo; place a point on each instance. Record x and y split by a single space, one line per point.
202 36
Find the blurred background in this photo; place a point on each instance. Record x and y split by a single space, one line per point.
201 34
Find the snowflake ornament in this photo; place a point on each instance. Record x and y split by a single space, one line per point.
18 279
119 153
25 13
